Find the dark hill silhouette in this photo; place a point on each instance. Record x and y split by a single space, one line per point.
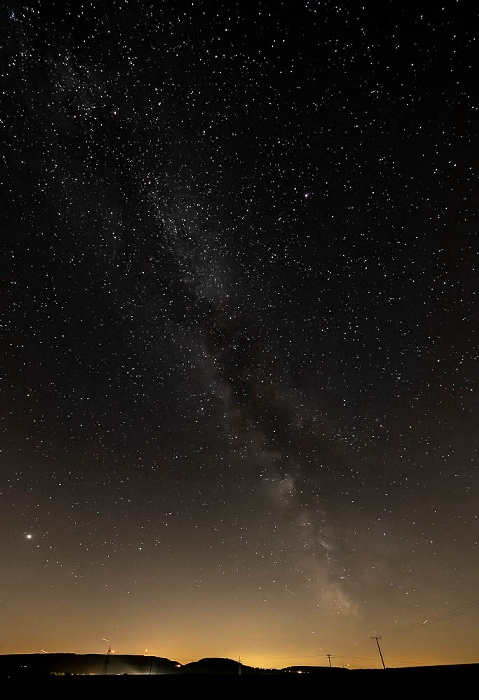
32 668
84 664
213 665
220 666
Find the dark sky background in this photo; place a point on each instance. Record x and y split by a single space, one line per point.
239 330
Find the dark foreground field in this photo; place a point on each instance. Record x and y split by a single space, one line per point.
69 674
353 685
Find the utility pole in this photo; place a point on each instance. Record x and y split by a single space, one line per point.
379 648
329 657
107 660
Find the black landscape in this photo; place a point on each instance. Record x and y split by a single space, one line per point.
81 670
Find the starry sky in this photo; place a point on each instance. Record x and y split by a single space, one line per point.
239 330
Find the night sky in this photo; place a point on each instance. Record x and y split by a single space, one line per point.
239 330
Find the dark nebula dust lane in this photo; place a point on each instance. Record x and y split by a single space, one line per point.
239 330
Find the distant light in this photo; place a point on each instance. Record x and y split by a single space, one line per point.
29 536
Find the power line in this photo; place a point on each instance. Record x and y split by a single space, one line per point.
392 663
442 617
